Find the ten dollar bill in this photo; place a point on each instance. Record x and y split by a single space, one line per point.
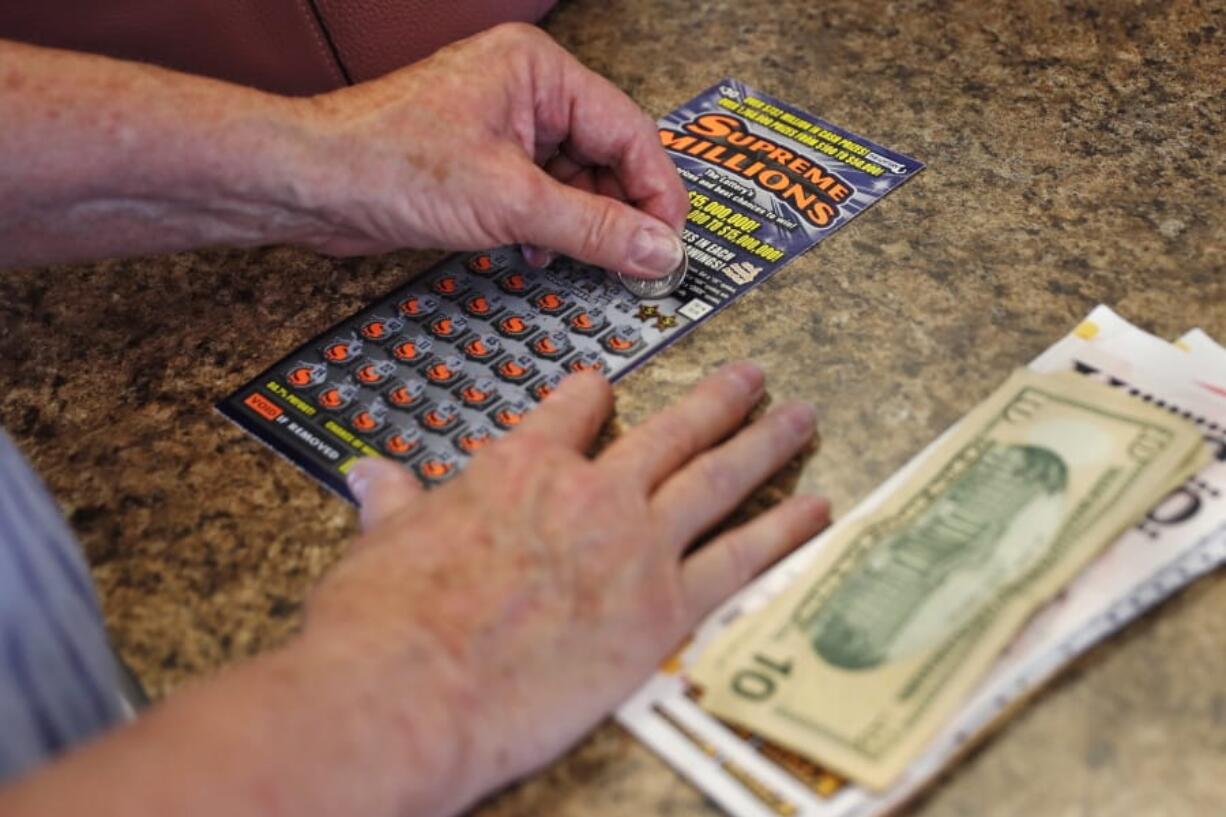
885 635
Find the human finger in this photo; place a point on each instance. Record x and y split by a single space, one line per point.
598 229
381 489
585 177
724 565
568 171
574 412
607 184
581 177
595 123
711 411
703 492
536 257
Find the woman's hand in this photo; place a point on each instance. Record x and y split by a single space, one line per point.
538 588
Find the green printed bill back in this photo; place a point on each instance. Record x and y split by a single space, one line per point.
887 632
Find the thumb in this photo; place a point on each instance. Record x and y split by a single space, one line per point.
600 230
381 488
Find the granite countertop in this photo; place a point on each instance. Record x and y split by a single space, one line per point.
1074 157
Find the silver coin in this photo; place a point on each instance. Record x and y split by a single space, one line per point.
655 288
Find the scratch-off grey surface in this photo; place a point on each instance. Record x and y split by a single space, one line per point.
1074 156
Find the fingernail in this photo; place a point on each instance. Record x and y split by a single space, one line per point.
748 374
358 480
537 257
656 250
801 417
818 506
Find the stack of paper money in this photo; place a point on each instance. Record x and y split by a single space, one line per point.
1085 490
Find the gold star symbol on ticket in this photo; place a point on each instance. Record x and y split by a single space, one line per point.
648 311
666 322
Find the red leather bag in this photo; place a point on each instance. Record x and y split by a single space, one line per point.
287 46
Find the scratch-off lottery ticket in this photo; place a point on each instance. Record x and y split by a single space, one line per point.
439 368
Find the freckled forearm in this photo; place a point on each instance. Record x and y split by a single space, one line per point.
100 157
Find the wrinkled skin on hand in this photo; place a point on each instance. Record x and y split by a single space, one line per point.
543 585
500 138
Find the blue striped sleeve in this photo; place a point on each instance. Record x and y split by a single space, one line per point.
58 682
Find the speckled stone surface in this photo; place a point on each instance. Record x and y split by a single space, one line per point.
1074 156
